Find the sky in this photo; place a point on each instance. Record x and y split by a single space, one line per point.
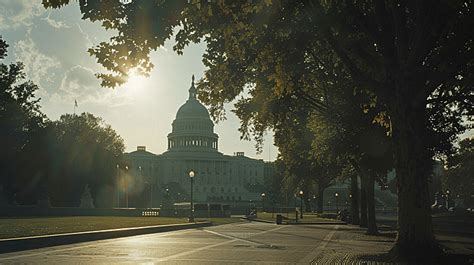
53 46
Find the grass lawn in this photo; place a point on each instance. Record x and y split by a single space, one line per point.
35 226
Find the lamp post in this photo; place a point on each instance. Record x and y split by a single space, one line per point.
447 199
350 200
301 204
263 201
126 178
314 203
151 194
191 216
337 202
117 186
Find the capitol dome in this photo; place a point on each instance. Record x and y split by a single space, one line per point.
192 109
193 129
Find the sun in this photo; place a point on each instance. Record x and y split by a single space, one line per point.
135 85
135 78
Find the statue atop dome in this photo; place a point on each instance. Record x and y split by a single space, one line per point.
192 90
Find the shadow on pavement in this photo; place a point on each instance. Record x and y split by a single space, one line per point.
446 259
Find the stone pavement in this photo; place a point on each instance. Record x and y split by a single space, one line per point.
238 243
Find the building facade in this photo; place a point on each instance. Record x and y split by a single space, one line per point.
194 146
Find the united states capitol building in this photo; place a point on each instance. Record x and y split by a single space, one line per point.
193 146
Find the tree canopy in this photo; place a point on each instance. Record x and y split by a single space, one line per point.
85 150
21 126
40 157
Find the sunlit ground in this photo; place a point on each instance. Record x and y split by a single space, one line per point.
35 226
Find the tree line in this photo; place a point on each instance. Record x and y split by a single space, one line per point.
376 83
40 157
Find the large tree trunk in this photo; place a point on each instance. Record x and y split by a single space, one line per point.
415 238
363 201
354 200
320 199
371 222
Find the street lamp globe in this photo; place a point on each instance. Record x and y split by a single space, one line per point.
263 201
337 194
191 216
126 197
301 204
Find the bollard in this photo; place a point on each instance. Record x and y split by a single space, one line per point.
279 219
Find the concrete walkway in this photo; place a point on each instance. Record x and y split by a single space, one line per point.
34 242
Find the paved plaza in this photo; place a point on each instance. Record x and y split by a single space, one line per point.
238 243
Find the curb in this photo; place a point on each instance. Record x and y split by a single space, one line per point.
318 223
258 220
294 223
34 242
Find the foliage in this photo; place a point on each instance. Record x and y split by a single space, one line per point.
62 156
83 150
3 48
459 178
174 192
21 124
273 183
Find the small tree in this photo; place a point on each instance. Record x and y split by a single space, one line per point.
83 150
459 178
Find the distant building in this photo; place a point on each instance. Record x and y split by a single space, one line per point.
193 145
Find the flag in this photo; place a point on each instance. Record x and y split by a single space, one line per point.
75 103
